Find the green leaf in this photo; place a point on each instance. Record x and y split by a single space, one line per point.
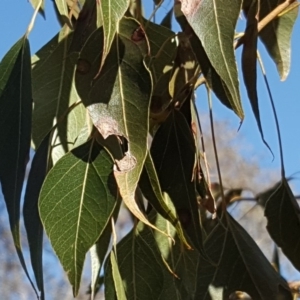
249 57
15 131
85 25
214 24
99 250
162 53
120 291
213 79
167 20
283 215
276 36
112 12
162 49
151 189
76 202
183 262
84 134
263 197
64 11
110 291
143 272
239 265
173 153
32 221
95 266
185 72
54 93
35 3
249 69
124 87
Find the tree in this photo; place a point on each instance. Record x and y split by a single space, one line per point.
108 105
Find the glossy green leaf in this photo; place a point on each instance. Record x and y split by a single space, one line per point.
118 101
32 221
54 93
173 153
15 131
276 36
240 265
141 266
112 12
214 24
76 202
283 214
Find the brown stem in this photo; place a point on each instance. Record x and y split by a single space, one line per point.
235 199
267 19
273 14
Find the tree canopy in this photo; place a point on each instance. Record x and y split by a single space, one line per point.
108 105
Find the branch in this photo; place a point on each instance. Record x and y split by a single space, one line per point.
235 199
277 11
274 13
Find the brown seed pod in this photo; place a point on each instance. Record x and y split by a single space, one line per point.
83 66
138 34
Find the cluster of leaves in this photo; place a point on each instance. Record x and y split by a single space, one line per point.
108 105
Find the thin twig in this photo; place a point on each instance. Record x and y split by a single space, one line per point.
291 7
215 147
154 17
200 81
114 235
276 12
154 12
202 145
161 49
32 21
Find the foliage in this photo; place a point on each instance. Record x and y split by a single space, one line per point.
108 105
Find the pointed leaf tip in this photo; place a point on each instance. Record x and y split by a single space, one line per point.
283 214
32 220
76 202
15 132
276 36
